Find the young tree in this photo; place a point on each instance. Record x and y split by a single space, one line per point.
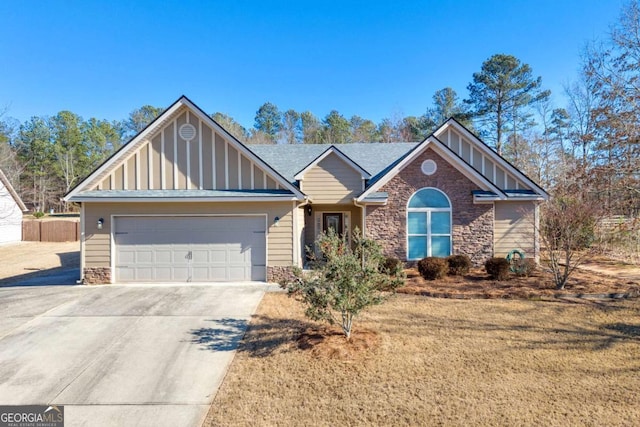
347 282
567 230
500 94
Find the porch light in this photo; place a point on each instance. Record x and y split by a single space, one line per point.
276 221
309 210
100 222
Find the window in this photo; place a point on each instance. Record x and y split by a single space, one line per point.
428 224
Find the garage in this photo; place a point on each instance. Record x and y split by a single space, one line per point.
189 248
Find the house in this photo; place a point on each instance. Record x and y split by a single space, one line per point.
11 209
186 201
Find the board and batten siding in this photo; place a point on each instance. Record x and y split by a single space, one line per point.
514 228
97 243
165 161
332 180
482 163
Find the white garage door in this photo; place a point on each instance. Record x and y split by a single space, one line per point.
190 249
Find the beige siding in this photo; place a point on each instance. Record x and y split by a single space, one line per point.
482 163
514 228
309 221
209 161
332 180
279 238
144 168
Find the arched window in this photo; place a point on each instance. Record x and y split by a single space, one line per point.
428 224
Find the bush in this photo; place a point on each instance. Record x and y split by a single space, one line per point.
526 267
497 268
432 268
38 214
346 283
392 266
459 265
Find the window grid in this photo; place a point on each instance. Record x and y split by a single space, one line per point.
428 232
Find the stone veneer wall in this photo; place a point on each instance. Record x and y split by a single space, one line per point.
97 275
472 223
278 274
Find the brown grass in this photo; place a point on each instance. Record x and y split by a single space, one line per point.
34 258
442 362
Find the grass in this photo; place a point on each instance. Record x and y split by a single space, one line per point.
439 362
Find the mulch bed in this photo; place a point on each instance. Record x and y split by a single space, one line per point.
477 284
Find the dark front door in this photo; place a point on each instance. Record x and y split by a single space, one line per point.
334 221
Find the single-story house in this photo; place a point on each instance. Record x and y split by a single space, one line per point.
11 209
186 201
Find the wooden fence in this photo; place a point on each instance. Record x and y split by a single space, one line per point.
50 231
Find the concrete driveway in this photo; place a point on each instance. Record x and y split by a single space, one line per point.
121 355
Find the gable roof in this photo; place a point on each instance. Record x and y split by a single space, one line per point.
333 149
12 191
480 144
443 151
135 143
496 193
290 159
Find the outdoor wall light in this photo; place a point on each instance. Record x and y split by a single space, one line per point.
309 210
276 221
100 222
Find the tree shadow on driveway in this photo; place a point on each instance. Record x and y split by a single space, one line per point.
264 336
225 335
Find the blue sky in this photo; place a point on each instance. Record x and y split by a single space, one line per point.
372 58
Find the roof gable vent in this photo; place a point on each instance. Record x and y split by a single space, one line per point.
187 132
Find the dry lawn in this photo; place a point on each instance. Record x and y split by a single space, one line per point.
34 258
439 362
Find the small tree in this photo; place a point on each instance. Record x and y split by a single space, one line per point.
346 281
567 230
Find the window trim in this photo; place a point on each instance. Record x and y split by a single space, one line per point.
428 234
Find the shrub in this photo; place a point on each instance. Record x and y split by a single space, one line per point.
392 266
459 265
432 268
526 267
346 283
497 268
38 214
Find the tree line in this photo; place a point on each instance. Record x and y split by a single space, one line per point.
590 146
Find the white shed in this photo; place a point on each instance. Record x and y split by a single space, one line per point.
11 208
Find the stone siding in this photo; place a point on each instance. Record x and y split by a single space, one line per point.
279 274
472 233
97 275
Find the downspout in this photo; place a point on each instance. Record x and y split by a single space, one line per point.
301 246
362 217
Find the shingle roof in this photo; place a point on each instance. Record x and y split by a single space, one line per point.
289 159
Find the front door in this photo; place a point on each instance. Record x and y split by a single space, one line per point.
333 221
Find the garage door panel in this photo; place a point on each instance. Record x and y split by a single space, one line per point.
197 249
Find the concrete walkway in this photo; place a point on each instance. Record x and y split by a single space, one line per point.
121 355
